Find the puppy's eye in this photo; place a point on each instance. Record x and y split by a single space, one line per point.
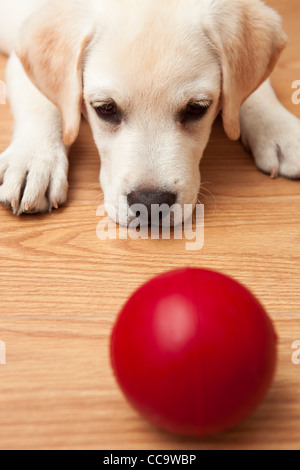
194 111
108 112
107 109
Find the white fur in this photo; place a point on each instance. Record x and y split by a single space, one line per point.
151 57
36 161
272 133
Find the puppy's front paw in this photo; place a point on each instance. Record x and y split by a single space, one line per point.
275 144
33 181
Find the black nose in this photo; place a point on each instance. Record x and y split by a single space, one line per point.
149 198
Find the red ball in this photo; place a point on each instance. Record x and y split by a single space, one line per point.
194 352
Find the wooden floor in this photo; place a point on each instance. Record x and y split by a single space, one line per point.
61 290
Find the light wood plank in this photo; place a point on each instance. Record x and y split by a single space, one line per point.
58 391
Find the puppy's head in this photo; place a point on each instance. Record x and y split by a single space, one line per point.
151 76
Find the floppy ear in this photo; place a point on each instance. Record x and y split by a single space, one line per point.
51 48
248 38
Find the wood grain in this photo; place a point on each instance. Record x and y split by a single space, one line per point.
61 289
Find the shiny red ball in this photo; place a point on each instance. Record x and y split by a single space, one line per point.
194 352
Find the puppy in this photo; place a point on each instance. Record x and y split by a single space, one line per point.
150 77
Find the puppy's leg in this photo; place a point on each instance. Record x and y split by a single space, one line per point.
271 133
33 170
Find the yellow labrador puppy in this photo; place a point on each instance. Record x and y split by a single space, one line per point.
150 76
